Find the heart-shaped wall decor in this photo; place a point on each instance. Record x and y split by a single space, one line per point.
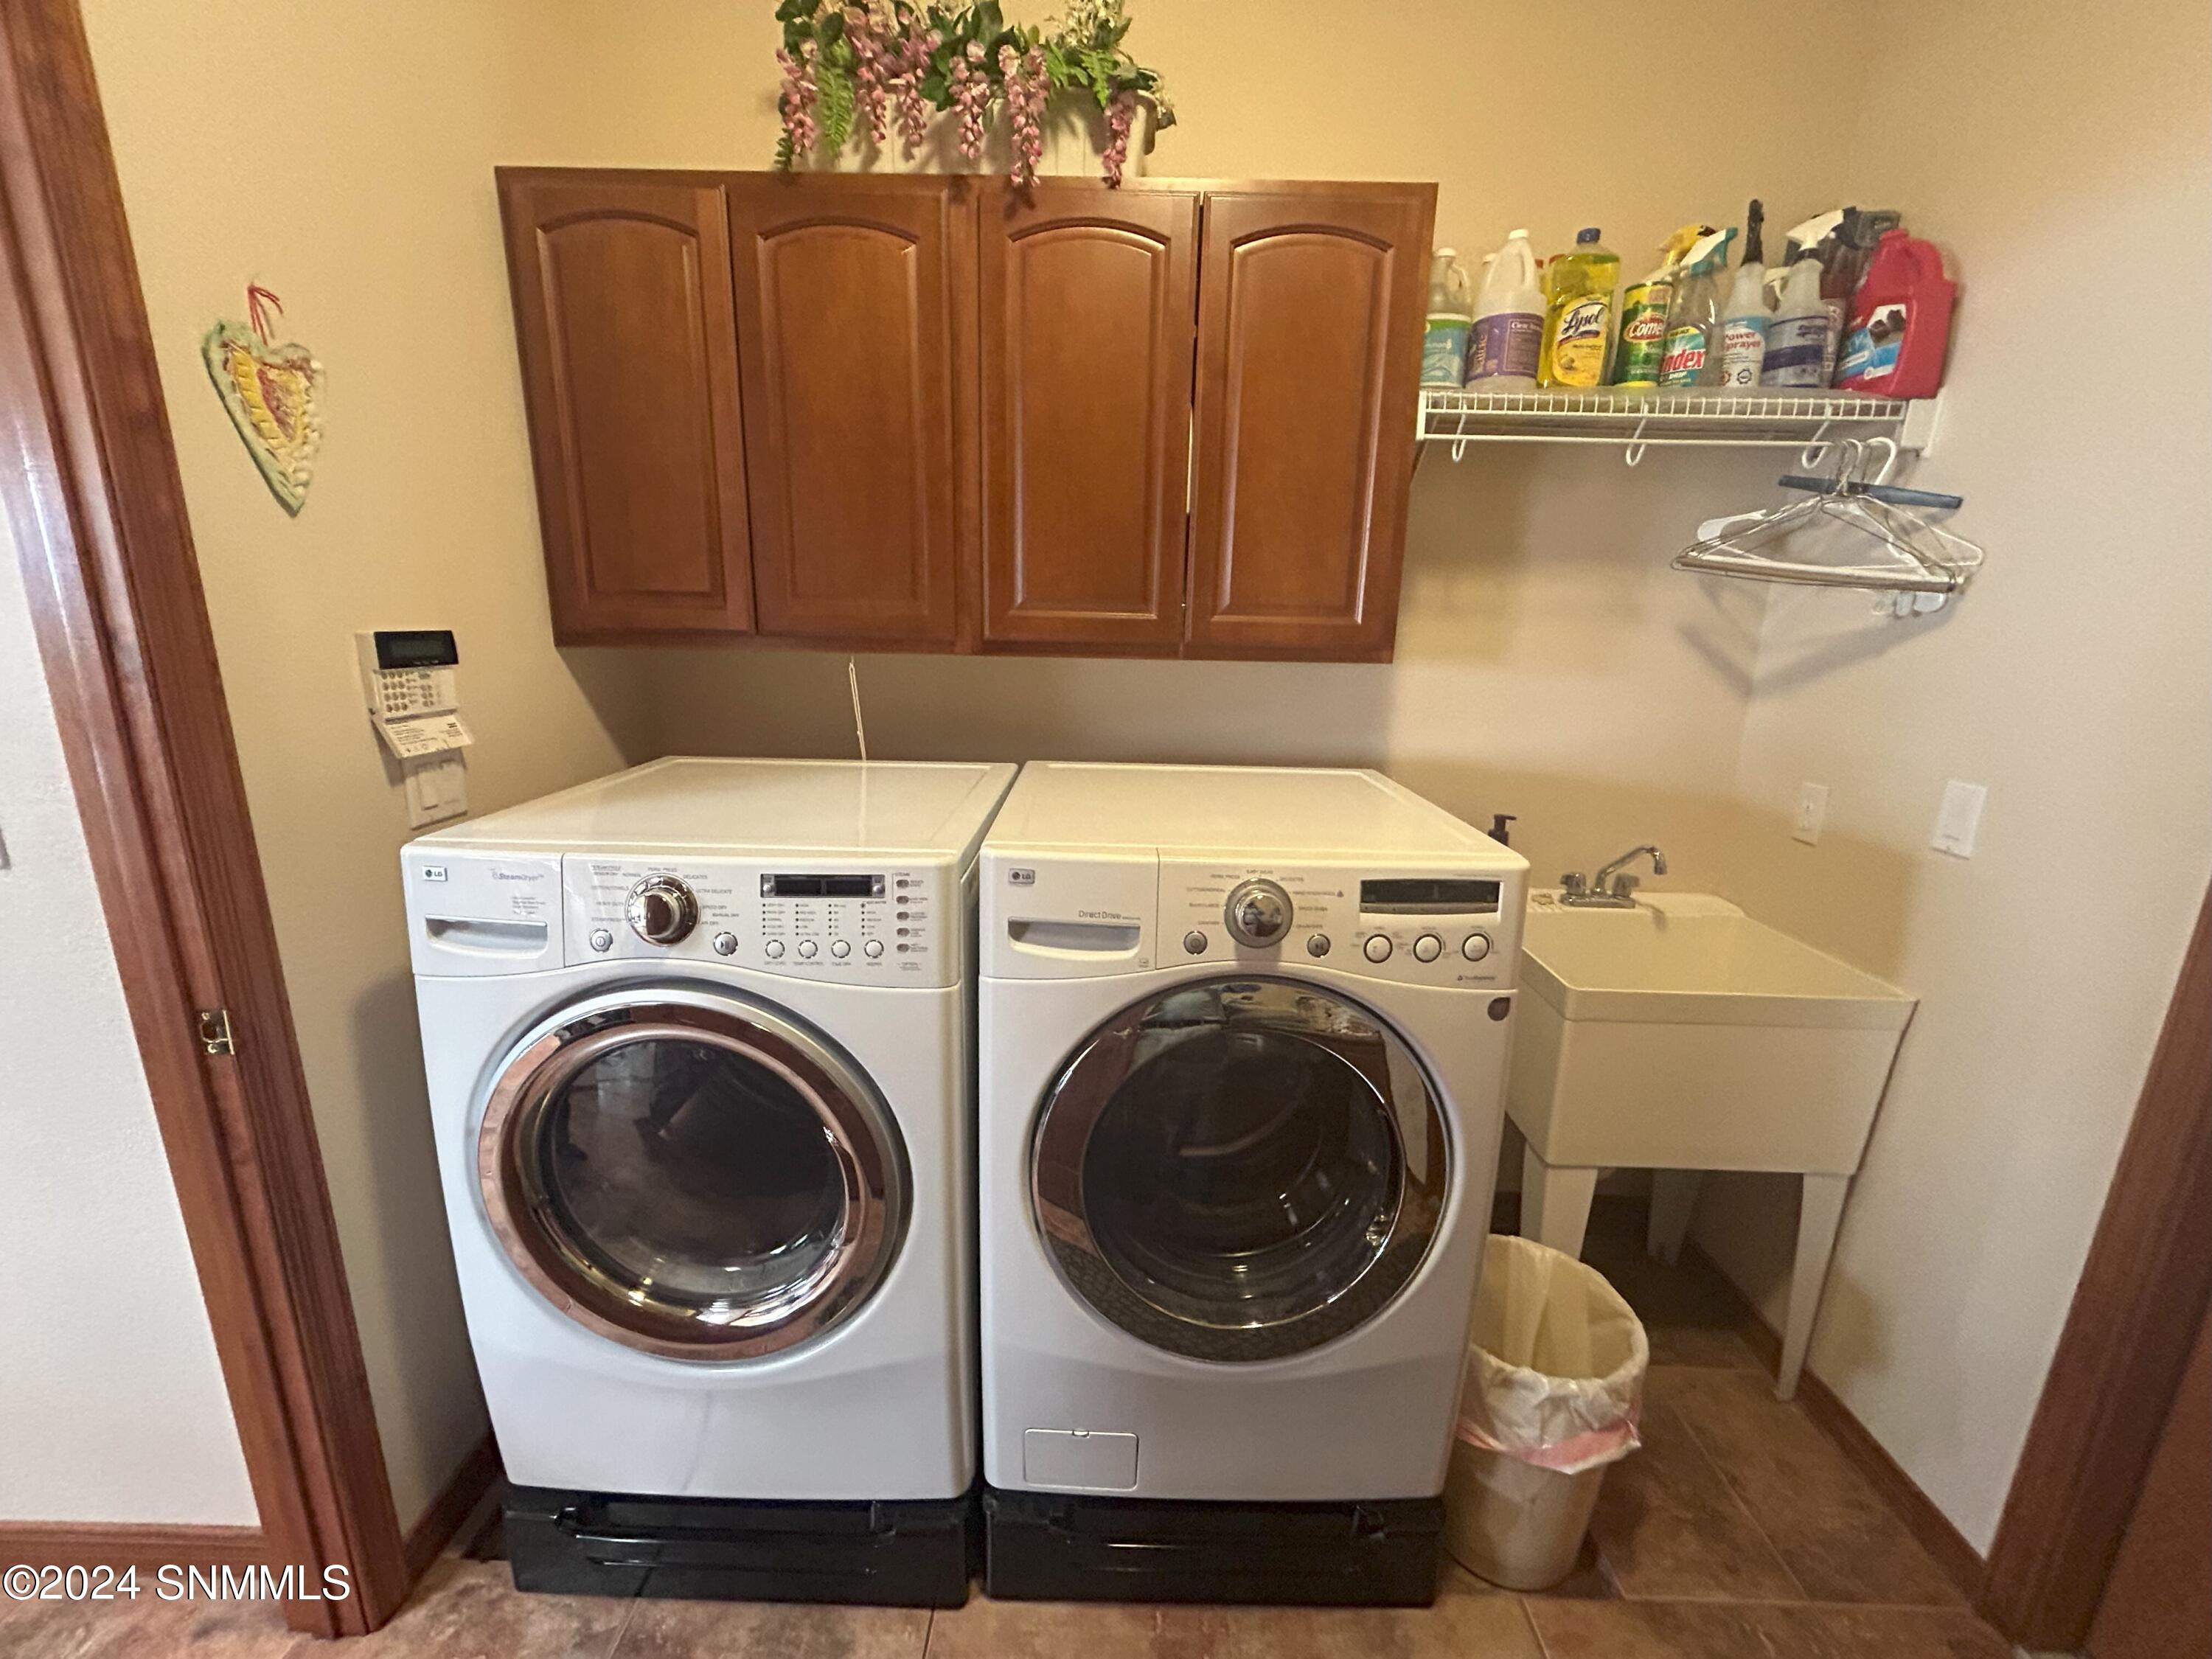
273 389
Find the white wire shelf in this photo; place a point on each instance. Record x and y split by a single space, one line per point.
1640 419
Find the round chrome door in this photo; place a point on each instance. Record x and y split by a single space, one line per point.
1240 1169
692 1175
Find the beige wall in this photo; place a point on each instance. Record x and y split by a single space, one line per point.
2074 681
343 155
111 1402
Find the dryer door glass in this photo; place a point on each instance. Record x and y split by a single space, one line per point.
1241 1169
702 1178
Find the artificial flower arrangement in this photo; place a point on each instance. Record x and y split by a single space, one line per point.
865 67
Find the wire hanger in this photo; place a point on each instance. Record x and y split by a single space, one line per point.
1912 562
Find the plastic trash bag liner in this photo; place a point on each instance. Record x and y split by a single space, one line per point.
1555 1362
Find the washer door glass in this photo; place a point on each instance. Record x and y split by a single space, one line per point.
1240 1169
692 1175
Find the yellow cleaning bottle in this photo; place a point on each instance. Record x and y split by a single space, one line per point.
1578 290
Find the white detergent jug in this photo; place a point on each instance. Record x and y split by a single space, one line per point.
1508 321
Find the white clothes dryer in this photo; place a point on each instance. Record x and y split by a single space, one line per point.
697 1038
1243 1035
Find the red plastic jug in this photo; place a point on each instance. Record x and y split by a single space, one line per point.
1901 321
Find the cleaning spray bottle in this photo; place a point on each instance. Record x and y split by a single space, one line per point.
1644 308
1508 321
1694 321
1744 318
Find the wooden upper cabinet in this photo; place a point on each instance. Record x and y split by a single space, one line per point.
629 345
1309 357
1088 306
854 305
938 414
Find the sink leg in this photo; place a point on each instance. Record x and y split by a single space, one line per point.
1674 1197
1820 1209
1555 1203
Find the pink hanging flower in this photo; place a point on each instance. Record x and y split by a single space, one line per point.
796 102
870 103
1027 85
912 107
1121 116
971 88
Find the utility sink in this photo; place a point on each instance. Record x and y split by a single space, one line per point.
1684 1035
1681 1035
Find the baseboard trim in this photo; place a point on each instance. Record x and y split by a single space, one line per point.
97 1543
434 1529
1960 1560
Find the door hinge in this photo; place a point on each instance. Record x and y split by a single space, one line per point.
215 1031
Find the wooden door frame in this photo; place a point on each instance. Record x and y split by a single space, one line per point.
2135 1313
96 507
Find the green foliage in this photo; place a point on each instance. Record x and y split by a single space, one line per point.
834 105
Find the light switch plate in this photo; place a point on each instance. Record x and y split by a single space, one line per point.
1960 819
437 789
1812 813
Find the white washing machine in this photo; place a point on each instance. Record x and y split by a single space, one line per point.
697 1039
1243 1036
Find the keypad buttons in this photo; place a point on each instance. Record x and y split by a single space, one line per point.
1378 948
839 949
774 950
808 950
726 944
872 949
1194 943
602 939
1475 946
1317 946
1428 948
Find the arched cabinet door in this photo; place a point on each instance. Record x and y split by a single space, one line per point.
1089 302
850 291
628 340
1308 357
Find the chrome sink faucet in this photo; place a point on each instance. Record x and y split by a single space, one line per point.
1611 887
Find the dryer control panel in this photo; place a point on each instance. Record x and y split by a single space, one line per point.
881 925
1416 927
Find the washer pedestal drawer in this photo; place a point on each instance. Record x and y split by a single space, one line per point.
1049 1547
907 1553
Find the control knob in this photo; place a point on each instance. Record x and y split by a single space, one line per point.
662 910
1258 913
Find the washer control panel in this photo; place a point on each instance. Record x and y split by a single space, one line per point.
1417 926
879 925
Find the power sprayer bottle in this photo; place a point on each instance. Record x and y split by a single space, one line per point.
1744 318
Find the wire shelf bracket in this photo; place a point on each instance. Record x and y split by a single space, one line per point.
1639 421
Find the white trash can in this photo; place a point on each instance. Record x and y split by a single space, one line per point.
1554 1386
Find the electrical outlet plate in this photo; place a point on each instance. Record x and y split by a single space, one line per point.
1812 813
1960 819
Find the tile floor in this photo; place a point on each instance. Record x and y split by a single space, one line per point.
1738 1530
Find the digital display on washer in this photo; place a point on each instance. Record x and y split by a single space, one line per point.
1420 896
822 886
